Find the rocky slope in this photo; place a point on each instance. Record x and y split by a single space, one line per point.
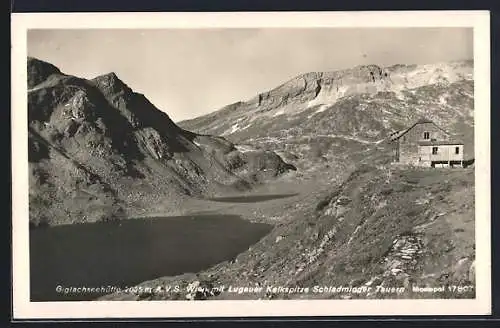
343 117
383 231
98 151
358 221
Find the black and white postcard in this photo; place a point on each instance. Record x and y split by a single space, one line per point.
251 164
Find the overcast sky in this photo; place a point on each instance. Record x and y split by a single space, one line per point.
187 73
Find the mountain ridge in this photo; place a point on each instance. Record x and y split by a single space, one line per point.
82 129
379 73
324 113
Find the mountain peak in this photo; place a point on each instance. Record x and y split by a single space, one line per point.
110 77
95 137
110 83
38 62
39 71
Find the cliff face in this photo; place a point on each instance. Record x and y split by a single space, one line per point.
98 150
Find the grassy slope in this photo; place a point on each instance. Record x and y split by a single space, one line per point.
357 235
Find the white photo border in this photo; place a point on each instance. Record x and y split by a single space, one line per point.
24 309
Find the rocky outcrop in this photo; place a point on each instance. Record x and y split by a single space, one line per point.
314 85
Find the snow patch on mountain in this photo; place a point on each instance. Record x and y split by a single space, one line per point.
322 108
244 148
278 113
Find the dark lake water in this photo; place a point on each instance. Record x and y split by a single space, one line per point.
125 253
251 198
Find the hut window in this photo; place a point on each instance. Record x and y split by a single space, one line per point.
426 135
457 150
434 150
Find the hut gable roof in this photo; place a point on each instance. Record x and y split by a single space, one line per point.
398 134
